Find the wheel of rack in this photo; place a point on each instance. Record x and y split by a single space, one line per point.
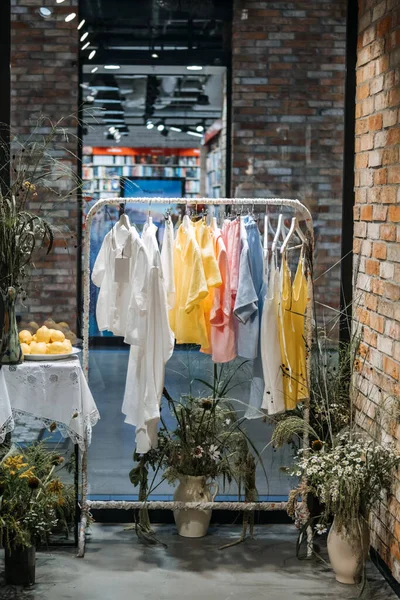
303 214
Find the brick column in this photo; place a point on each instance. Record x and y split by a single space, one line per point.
288 106
376 244
44 73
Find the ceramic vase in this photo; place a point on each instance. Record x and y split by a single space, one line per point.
20 565
10 348
348 552
193 523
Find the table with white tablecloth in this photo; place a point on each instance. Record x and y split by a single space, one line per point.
55 393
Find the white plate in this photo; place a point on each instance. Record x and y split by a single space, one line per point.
47 357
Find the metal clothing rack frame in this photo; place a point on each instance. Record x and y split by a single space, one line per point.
303 214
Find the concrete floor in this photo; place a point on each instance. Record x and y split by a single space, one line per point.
118 567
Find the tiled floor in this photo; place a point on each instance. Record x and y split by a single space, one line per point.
118 567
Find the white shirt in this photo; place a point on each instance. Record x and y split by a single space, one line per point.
114 298
146 367
167 262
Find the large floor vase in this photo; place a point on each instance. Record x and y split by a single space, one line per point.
193 523
348 552
20 565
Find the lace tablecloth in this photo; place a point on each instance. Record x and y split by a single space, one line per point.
55 393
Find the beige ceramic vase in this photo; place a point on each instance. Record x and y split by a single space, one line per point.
193 523
348 554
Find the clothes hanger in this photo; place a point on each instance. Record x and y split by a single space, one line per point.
123 217
289 235
149 217
277 232
243 232
300 233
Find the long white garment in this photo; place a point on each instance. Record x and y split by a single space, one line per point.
113 300
146 367
167 262
273 400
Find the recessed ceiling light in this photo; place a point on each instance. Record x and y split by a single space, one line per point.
200 128
176 129
84 36
150 125
81 24
154 55
160 127
92 54
111 67
60 1
94 69
112 130
70 17
85 45
195 133
89 98
194 68
45 12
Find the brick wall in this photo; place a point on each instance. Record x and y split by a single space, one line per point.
376 244
288 100
44 75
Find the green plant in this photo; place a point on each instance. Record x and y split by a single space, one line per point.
35 173
31 495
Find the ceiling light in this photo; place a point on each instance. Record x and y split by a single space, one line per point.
160 127
194 68
195 133
70 17
176 129
81 24
105 88
60 1
200 127
94 69
84 36
89 98
45 12
85 45
154 55
150 125
112 130
92 54
112 67
108 100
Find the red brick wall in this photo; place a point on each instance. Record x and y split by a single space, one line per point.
376 243
44 75
288 100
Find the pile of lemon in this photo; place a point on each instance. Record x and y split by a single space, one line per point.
44 341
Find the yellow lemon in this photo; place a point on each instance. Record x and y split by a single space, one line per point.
25 336
38 348
49 323
34 338
33 325
67 346
43 334
56 336
56 348
70 335
26 349
63 325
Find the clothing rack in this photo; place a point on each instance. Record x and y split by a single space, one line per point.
303 214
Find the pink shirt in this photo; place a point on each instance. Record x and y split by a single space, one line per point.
223 339
231 236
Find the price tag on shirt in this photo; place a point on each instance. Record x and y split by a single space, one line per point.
122 269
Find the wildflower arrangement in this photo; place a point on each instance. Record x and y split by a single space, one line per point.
348 478
31 496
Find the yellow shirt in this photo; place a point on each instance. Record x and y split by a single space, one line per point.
187 316
212 274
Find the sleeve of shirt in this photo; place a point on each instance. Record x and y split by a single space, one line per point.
210 265
136 323
167 262
99 267
222 306
246 299
197 289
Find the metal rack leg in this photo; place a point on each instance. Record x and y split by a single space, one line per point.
84 508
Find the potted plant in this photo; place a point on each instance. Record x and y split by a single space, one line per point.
206 446
31 494
348 479
35 177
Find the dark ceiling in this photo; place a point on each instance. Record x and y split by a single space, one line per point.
128 32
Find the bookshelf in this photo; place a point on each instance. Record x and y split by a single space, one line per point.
103 168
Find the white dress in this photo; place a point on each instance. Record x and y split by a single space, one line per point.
273 399
146 367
